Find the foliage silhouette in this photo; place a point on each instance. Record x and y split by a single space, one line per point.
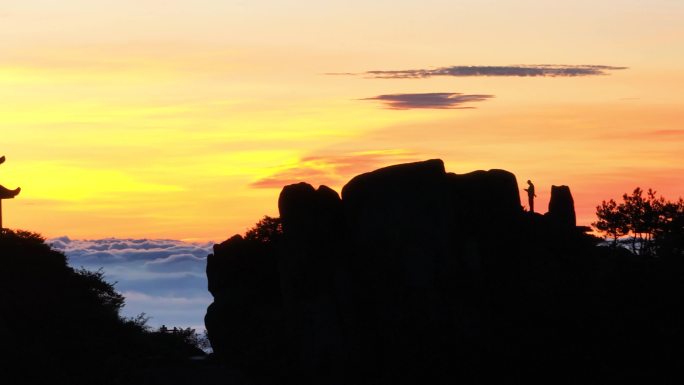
653 225
669 237
267 230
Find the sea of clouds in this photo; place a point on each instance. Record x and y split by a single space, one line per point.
163 278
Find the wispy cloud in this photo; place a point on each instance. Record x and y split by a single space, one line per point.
334 168
671 136
437 100
296 174
541 70
667 133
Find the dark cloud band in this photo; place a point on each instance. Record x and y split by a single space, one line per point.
434 100
543 70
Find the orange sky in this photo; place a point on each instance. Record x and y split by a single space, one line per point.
179 119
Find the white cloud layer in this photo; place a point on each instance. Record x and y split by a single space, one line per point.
163 278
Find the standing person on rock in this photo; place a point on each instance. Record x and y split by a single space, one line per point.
530 195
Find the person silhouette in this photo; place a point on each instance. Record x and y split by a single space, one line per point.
530 195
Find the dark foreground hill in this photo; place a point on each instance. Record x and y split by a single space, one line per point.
416 275
62 326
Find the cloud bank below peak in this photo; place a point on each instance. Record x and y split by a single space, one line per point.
541 70
434 100
163 278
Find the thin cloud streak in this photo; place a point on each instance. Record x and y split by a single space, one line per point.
434 100
334 168
667 133
542 70
295 175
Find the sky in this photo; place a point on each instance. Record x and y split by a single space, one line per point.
183 119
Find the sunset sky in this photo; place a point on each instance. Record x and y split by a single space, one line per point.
183 119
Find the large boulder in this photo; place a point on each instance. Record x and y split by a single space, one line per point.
312 279
398 219
312 225
562 207
419 241
486 214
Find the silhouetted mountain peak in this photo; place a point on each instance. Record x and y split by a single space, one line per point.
408 257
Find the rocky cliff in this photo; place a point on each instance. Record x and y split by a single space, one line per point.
412 274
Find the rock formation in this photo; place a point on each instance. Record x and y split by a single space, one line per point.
412 271
246 315
562 207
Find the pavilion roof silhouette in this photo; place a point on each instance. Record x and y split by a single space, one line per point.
6 193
